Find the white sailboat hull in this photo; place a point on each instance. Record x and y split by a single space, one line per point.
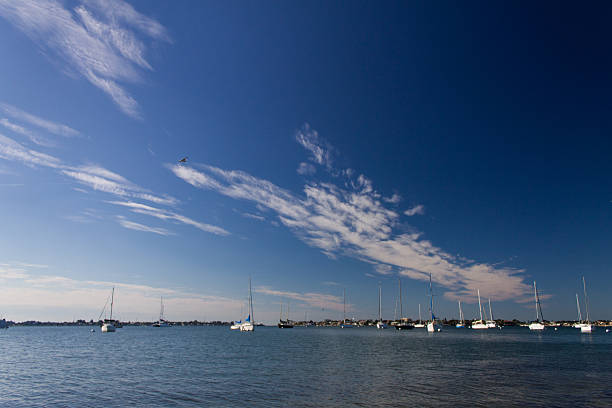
536 326
107 328
586 328
381 325
419 326
479 326
490 324
247 327
431 327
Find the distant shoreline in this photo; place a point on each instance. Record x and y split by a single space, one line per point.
323 323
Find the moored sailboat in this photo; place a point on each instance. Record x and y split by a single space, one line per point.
431 326
461 323
344 324
579 323
420 323
248 324
537 325
284 324
479 324
107 324
161 322
403 324
379 323
586 326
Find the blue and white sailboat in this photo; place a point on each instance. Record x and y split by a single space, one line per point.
431 326
248 323
461 324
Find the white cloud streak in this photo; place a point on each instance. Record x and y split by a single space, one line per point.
96 177
101 179
96 39
306 169
394 199
28 295
32 136
169 215
416 210
312 299
125 223
321 150
353 221
47 125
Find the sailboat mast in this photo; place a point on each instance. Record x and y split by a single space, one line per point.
281 312
431 299
535 295
490 312
161 308
400 299
578 306
379 302
112 301
586 300
479 305
420 320
344 305
460 312
251 303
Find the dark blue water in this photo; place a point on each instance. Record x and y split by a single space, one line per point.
316 367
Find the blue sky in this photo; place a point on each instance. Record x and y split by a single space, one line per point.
330 146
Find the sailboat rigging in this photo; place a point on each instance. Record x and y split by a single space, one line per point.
107 325
537 325
586 327
249 324
403 324
461 324
490 323
284 324
344 324
479 324
380 324
431 326
161 322
420 323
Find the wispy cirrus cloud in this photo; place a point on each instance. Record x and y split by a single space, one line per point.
97 39
28 294
306 169
394 199
321 151
55 128
14 151
95 177
383 269
351 219
15 128
312 299
416 210
169 215
101 179
125 223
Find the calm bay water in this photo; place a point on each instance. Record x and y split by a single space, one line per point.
318 367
